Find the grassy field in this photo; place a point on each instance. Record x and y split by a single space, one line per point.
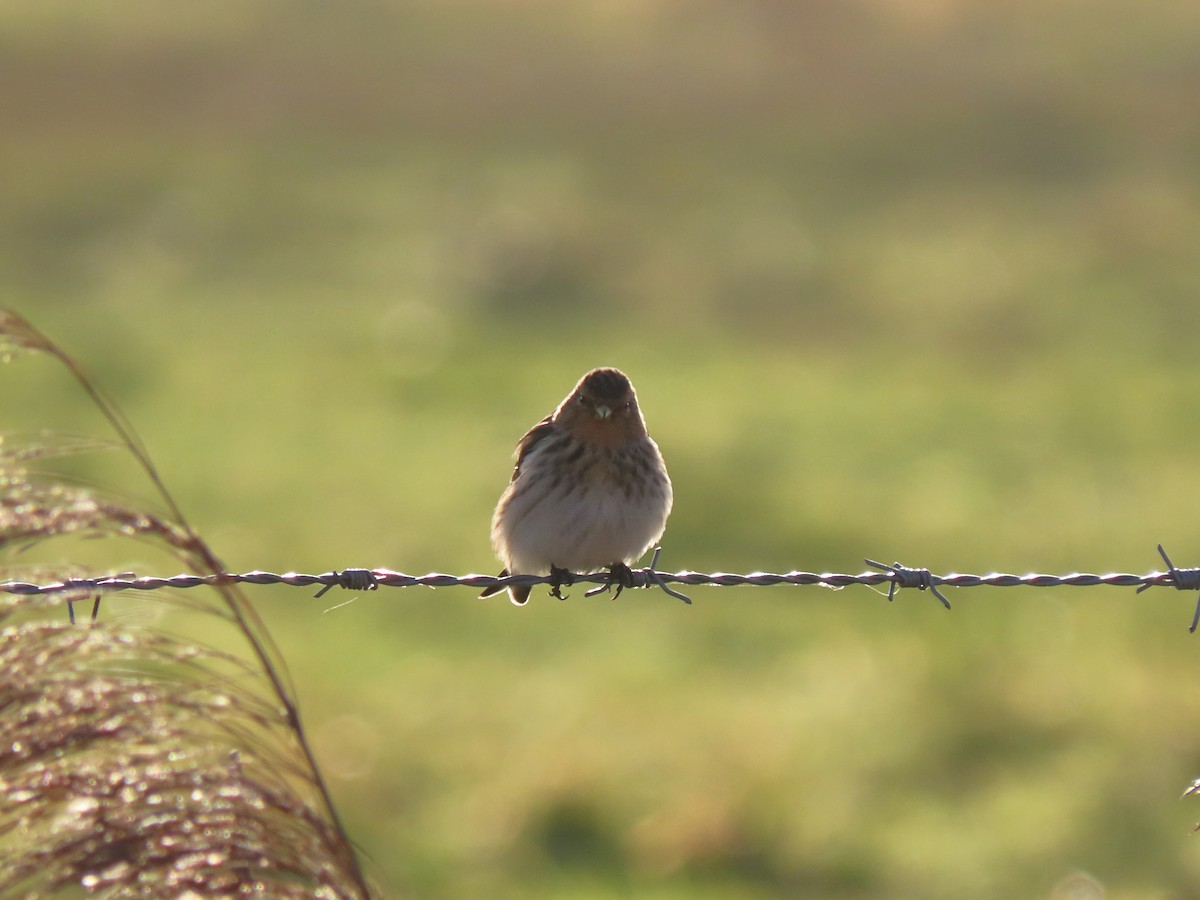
912 281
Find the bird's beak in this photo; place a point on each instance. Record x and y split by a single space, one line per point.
603 411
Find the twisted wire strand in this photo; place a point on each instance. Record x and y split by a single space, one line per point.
369 579
896 576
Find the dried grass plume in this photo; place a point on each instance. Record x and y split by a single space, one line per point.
134 762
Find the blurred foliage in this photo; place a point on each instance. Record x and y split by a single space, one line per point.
909 279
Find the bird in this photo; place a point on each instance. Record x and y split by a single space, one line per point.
589 489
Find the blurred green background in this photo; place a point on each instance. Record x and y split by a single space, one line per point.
908 279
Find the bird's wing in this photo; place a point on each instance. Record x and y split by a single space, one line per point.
533 436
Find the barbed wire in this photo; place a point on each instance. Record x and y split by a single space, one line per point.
896 576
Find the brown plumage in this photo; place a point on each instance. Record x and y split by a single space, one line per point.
589 490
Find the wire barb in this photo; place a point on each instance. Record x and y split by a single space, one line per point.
656 578
1181 580
95 608
348 579
905 577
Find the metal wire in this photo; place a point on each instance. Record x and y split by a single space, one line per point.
897 576
369 579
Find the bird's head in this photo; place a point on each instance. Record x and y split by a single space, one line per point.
602 408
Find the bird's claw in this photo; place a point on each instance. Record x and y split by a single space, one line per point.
619 574
559 577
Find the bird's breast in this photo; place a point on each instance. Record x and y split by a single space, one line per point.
581 506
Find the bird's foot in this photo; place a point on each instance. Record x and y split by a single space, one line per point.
558 578
624 577
620 575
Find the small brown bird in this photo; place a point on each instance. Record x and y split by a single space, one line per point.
589 491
